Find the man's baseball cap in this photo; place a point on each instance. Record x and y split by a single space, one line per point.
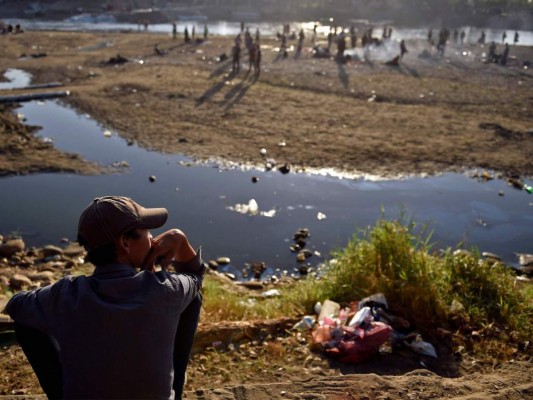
106 218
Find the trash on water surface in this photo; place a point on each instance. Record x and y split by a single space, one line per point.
252 208
320 216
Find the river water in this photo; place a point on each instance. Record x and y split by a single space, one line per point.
202 200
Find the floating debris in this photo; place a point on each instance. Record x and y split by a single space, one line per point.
252 208
320 216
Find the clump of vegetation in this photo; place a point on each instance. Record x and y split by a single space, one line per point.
453 290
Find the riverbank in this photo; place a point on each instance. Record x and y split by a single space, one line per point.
425 116
246 358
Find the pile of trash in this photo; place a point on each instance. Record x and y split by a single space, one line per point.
354 334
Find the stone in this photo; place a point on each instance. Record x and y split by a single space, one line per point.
285 168
223 260
42 276
258 269
213 265
19 281
11 247
302 233
525 260
489 255
52 266
73 250
49 251
303 255
253 285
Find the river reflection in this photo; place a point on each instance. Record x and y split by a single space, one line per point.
44 208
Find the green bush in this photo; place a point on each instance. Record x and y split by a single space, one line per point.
419 285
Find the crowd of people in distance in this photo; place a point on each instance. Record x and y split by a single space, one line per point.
246 44
253 48
6 29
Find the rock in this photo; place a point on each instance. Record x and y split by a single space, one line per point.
19 281
73 250
304 254
270 163
492 256
213 265
525 260
223 260
254 285
11 247
258 269
50 251
52 266
462 252
302 233
295 248
42 276
285 168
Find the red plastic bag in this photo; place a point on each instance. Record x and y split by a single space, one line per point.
360 345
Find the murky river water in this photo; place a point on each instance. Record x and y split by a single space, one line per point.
201 200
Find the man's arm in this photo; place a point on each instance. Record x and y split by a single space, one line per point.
32 308
173 247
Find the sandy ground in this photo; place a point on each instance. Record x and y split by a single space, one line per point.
425 116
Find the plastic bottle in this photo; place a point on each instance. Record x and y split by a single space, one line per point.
528 189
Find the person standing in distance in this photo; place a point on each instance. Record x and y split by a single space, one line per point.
126 331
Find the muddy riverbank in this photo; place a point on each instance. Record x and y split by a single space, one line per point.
425 116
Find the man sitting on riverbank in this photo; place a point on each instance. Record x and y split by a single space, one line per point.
118 333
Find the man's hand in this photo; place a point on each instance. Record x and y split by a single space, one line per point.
170 245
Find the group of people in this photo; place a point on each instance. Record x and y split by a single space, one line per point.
252 47
10 29
188 38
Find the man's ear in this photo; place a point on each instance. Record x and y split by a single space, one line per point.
122 243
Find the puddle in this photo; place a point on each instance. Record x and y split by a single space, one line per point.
207 201
16 79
